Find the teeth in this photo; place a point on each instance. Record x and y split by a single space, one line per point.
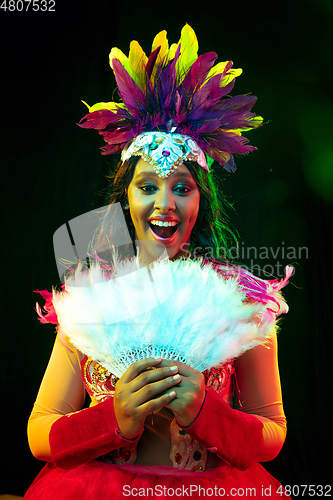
163 224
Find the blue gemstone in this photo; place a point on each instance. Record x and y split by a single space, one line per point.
166 153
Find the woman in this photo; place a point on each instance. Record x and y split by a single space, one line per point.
165 429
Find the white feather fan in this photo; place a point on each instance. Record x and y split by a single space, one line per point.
177 310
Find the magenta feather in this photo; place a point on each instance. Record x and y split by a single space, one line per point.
198 74
231 142
130 92
151 62
239 102
99 119
118 137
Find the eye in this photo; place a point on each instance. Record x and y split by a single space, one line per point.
148 188
182 189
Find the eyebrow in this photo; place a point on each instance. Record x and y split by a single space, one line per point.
149 173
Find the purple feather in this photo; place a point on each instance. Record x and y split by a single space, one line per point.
236 143
160 98
198 72
228 88
130 92
230 142
208 127
206 98
167 84
167 79
239 102
234 120
151 62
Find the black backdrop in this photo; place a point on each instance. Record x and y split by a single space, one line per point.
51 171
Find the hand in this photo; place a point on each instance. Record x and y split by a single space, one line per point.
141 391
190 393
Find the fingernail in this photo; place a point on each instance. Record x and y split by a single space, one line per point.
158 357
173 368
172 393
176 377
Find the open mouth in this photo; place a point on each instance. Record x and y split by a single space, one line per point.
163 229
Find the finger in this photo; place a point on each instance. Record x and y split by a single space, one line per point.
183 369
155 405
136 368
151 376
155 390
178 388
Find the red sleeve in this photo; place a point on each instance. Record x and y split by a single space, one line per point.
234 436
85 435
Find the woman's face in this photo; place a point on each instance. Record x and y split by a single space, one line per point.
163 211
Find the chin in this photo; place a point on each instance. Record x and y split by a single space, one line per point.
153 249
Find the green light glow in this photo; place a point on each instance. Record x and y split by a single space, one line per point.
317 157
318 168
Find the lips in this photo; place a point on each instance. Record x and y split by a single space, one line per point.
166 239
163 228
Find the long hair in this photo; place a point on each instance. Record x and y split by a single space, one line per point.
211 231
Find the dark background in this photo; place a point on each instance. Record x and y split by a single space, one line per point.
51 171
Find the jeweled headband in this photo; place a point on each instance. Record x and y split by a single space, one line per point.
175 107
165 151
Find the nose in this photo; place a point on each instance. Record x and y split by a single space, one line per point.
165 200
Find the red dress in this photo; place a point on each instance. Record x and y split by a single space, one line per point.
216 456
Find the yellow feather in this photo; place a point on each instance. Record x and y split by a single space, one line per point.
112 106
172 51
189 51
254 122
219 68
137 63
118 54
237 131
231 75
84 102
160 40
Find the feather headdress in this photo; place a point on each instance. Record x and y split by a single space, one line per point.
175 90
